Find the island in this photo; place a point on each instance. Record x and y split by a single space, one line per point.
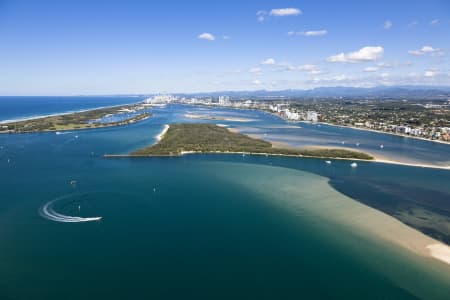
95 118
179 139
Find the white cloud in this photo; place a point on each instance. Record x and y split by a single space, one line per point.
283 12
371 69
269 61
434 22
430 73
256 82
387 24
341 77
309 68
337 58
425 50
206 36
261 15
368 53
309 33
312 69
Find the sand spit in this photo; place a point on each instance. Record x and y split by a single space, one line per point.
162 133
218 118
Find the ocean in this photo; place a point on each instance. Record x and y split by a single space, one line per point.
215 226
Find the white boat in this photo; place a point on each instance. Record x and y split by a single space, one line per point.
328 162
381 146
357 144
354 165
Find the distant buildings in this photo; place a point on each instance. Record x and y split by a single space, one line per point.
224 101
160 99
312 116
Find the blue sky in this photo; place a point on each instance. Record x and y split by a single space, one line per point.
124 47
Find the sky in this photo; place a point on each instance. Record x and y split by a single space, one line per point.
141 47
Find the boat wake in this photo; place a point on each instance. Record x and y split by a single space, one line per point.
48 212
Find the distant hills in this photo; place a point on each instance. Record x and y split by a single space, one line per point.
425 92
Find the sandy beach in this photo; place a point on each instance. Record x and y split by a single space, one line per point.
377 158
162 133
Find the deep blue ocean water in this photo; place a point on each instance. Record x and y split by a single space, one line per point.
186 228
14 108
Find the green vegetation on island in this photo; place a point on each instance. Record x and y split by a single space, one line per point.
79 120
210 138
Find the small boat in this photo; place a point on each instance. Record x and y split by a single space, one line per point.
76 136
154 190
58 132
328 162
73 183
354 165
381 146
79 207
343 142
9 160
357 144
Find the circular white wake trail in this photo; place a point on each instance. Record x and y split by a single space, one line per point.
49 213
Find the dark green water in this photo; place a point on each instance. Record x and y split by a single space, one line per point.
198 227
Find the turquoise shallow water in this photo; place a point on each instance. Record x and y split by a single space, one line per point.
197 227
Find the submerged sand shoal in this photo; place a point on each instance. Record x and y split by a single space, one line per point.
380 240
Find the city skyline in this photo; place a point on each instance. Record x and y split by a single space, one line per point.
52 48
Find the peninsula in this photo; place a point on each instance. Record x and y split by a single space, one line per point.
96 118
210 138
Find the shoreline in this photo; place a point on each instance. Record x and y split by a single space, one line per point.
160 136
361 128
375 160
32 118
217 118
379 132
106 125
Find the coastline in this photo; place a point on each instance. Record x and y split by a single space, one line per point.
31 118
217 118
106 125
375 160
380 132
160 136
362 129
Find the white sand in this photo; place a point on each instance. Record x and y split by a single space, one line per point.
221 118
440 251
162 133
